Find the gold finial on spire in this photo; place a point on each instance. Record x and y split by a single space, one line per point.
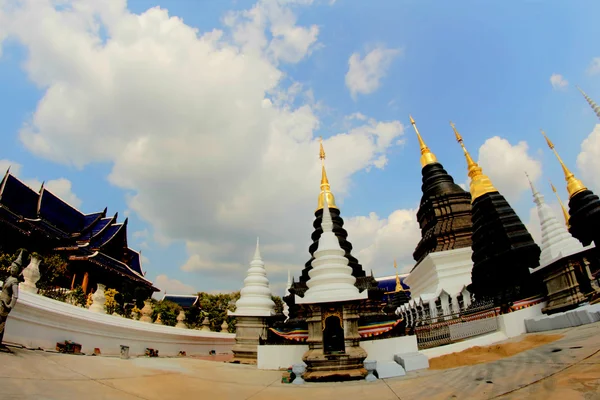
321 150
398 283
564 209
427 157
591 102
480 183
325 187
574 185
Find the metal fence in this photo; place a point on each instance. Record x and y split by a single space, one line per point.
453 328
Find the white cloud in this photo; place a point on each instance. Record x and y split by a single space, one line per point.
173 286
506 165
588 160
378 241
364 74
594 67
61 187
289 43
15 167
558 82
197 125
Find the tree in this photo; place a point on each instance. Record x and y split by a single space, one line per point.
53 272
168 312
215 307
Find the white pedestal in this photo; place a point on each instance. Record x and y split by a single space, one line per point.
448 270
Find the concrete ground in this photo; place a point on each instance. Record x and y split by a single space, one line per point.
565 369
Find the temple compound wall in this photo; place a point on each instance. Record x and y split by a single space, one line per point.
40 322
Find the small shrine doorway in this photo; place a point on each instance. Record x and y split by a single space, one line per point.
333 336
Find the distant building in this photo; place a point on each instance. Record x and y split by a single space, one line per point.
94 245
184 301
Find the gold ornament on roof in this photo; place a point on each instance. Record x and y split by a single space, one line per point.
564 209
574 185
325 187
399 287
480 183
427 157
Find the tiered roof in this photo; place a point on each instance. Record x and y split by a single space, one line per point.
92 237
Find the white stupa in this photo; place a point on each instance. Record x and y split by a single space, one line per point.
331 278
557 242
255 298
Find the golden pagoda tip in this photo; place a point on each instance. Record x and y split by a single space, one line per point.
427 157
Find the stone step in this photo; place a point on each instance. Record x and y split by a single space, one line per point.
412 361
389 369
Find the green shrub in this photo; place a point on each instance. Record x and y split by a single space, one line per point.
77 297
168 312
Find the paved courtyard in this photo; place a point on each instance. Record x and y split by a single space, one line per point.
565 369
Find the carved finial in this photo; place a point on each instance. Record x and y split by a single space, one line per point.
398 283
530 183
427 157
321 149
480 183
325 187
574 185
257 251
591 102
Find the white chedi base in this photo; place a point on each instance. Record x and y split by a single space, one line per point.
99 300
31 274
448 271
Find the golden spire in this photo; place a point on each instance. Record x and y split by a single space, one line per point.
398 284
480 183
574 185
564 209
325 188
427 157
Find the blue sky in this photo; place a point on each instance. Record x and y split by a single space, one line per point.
485 65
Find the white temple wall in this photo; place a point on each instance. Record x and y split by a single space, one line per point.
444 270
274 357
280 356
385 349
513 324
40 322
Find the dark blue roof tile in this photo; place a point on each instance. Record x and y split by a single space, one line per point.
183 301
19 198
135 263
60 214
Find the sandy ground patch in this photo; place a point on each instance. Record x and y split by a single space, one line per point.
479 355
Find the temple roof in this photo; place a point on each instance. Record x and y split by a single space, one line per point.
135 261
93 236
185 301
18 197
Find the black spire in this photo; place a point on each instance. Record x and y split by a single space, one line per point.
444 214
